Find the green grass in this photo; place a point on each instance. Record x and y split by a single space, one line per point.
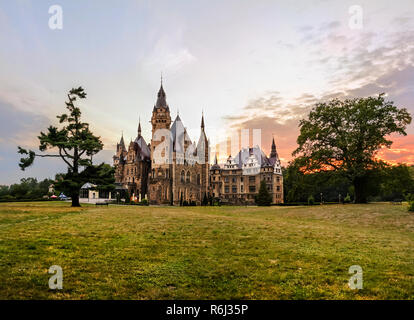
132 252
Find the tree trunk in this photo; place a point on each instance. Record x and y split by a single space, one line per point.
75 200
359 188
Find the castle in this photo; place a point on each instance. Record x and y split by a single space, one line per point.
172 169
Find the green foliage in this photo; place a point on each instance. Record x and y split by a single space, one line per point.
347 199
397 183
127 197
144 202
263 198
27 189
311 200
345 135
298 186
411 206
74 142
205 200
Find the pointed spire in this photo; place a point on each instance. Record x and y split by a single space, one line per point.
139 127
161 98
215 159
273 153
121 142
202 120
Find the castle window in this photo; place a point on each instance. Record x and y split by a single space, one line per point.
234 189
188 177
226 189
252 188
198 179
241 189
278 188
182 176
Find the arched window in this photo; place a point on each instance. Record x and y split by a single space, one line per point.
188 177
198 179
182 176
153 173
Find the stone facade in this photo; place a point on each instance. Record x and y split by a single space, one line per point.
176 172
132 166
172 168
238 181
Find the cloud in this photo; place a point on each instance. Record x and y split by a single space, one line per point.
358 67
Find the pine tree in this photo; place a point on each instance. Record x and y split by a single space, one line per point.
205 200
76 145
263 198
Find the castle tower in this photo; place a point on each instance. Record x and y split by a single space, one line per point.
161 118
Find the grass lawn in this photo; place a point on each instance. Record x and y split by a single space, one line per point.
131 252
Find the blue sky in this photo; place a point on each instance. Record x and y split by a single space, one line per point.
250 64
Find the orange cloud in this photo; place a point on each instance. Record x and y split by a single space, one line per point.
401 151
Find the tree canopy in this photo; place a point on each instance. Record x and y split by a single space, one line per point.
345 136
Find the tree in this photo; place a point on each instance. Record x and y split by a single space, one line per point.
345 136
205 200
397 182
263 198
75 144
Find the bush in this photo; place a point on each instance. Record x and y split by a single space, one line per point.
311 200
411 206
409 197
144 202
347 199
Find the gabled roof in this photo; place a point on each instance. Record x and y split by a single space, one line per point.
179 133
142 149
243 156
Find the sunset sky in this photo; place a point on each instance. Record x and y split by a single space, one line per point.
246 64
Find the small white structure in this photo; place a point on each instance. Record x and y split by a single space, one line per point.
90 194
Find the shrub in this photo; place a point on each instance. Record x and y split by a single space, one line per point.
347 199
411 206
144 202
311 200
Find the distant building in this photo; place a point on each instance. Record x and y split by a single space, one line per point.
90 194
238 180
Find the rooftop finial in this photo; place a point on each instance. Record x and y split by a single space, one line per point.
139 127
202 119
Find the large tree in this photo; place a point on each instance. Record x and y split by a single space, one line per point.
345 135
75 145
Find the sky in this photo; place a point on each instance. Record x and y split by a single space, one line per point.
244 64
